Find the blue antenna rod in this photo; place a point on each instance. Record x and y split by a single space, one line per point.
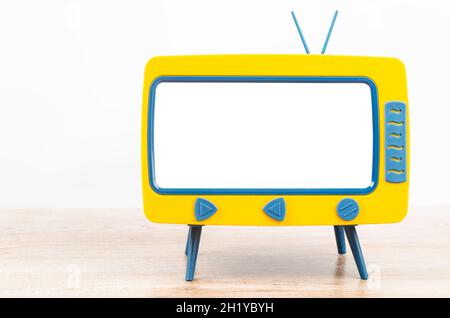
300 32
324 48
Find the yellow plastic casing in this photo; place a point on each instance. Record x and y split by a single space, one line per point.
388 203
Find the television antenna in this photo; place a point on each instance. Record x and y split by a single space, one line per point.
302 37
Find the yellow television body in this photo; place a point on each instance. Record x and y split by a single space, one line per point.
385 202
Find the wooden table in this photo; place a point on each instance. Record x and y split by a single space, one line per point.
111 252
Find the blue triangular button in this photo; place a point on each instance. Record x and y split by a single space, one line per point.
204 209
276 209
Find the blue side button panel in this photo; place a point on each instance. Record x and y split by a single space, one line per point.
395 116
204 209
276 209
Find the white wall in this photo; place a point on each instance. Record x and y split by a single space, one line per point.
71 78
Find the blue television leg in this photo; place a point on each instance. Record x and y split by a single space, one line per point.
186 249
353 240
195 231
340 239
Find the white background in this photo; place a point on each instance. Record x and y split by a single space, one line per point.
71 77
263 135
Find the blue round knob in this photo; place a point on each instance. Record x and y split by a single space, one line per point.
348 209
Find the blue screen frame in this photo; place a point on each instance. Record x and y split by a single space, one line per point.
266 191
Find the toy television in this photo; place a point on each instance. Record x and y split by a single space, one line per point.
275 140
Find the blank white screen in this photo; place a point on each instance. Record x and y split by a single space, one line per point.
262 135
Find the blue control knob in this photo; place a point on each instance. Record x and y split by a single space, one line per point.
348 209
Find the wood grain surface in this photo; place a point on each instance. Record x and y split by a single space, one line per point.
119 253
